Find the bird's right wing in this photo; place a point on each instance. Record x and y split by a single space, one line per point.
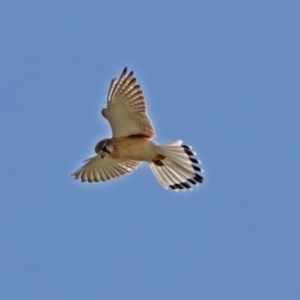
102 169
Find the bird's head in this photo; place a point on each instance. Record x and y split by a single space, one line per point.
104 147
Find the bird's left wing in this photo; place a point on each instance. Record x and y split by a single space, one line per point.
102 169
126 108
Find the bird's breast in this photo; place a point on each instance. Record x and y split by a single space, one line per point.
134 148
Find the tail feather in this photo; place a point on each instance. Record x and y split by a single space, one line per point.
169 175
179 168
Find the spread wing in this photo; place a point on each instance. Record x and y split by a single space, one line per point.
126 108
102 169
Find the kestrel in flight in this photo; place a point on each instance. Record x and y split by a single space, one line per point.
173 164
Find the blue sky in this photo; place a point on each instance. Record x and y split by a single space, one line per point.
223 76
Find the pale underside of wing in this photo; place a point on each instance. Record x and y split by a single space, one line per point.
126 108
102 169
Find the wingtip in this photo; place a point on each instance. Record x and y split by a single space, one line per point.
124 73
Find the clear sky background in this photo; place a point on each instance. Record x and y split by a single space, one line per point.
224 77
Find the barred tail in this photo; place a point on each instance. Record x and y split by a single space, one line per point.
177 168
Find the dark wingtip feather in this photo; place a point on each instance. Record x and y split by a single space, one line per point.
198 178
196 168
192 181
186 185
186 147
189 152
194 160
179 186
123 73
131 75
176 186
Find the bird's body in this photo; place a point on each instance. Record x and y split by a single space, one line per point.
134 147
173 164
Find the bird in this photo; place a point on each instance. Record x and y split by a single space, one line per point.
173 164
